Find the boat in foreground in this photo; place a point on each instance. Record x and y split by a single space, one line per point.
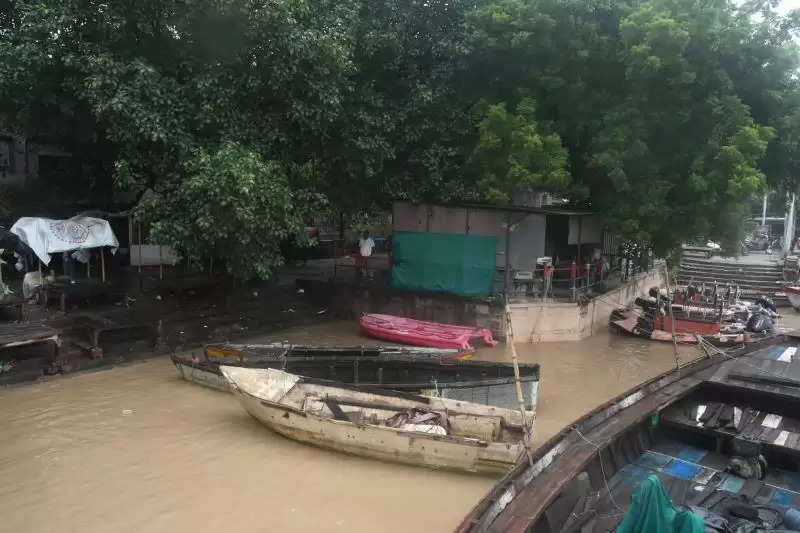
424 371
720 431
381 424
422 333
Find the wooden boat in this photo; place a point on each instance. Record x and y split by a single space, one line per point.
792 293
387 425
422 371
684 426
628 322
422 333
245 352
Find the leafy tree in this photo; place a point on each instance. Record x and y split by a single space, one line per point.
212 209
163 95
642 95
511 154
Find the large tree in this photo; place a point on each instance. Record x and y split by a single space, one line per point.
650 99
664 116
185 100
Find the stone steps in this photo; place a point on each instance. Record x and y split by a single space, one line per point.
754 279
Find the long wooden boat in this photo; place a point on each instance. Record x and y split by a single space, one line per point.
245 352
381 424
417 371
421 333
683 426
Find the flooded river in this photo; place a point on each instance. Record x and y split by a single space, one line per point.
135 448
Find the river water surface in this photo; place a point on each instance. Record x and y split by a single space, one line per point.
135 448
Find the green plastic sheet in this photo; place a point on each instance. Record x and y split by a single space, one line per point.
651 511
444 262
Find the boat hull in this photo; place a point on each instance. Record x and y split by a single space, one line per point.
385 444
495 391
295 407
422 333
202 376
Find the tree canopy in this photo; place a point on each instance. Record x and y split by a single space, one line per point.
229 121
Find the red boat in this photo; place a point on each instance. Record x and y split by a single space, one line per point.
421 333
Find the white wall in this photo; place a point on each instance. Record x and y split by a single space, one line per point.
545 322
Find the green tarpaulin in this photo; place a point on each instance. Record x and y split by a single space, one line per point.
444 262
651 511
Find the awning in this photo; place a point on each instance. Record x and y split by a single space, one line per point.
46 236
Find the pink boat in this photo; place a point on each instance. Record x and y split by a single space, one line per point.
421 333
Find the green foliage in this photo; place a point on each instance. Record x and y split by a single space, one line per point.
512 156
213 209
664 116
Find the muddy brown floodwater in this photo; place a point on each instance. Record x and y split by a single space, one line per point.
135 448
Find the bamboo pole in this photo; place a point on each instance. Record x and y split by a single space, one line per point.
528 437
102 265
671 316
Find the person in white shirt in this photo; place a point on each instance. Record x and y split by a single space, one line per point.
365 246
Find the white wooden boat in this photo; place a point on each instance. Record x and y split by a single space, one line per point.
381 424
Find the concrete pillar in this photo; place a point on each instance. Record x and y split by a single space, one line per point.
788 226
764 210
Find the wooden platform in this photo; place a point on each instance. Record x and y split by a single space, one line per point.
14 335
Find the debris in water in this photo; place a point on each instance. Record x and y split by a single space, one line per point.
290 310
323 311
255 294
300 291
158 296
127 412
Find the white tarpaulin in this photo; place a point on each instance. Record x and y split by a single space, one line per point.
46 236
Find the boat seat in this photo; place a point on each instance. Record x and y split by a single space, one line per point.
730 423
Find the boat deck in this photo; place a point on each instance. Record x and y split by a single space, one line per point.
691 476
774 371
689 445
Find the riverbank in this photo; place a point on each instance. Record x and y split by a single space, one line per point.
135 448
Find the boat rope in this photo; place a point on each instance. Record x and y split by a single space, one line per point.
740 360
597 447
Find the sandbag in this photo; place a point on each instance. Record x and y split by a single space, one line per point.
759 323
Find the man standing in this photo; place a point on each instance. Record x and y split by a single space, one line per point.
365 246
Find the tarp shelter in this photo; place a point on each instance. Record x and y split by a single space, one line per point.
46 236
444 262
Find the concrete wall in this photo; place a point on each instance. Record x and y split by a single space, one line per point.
545 322
532 322
350 302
